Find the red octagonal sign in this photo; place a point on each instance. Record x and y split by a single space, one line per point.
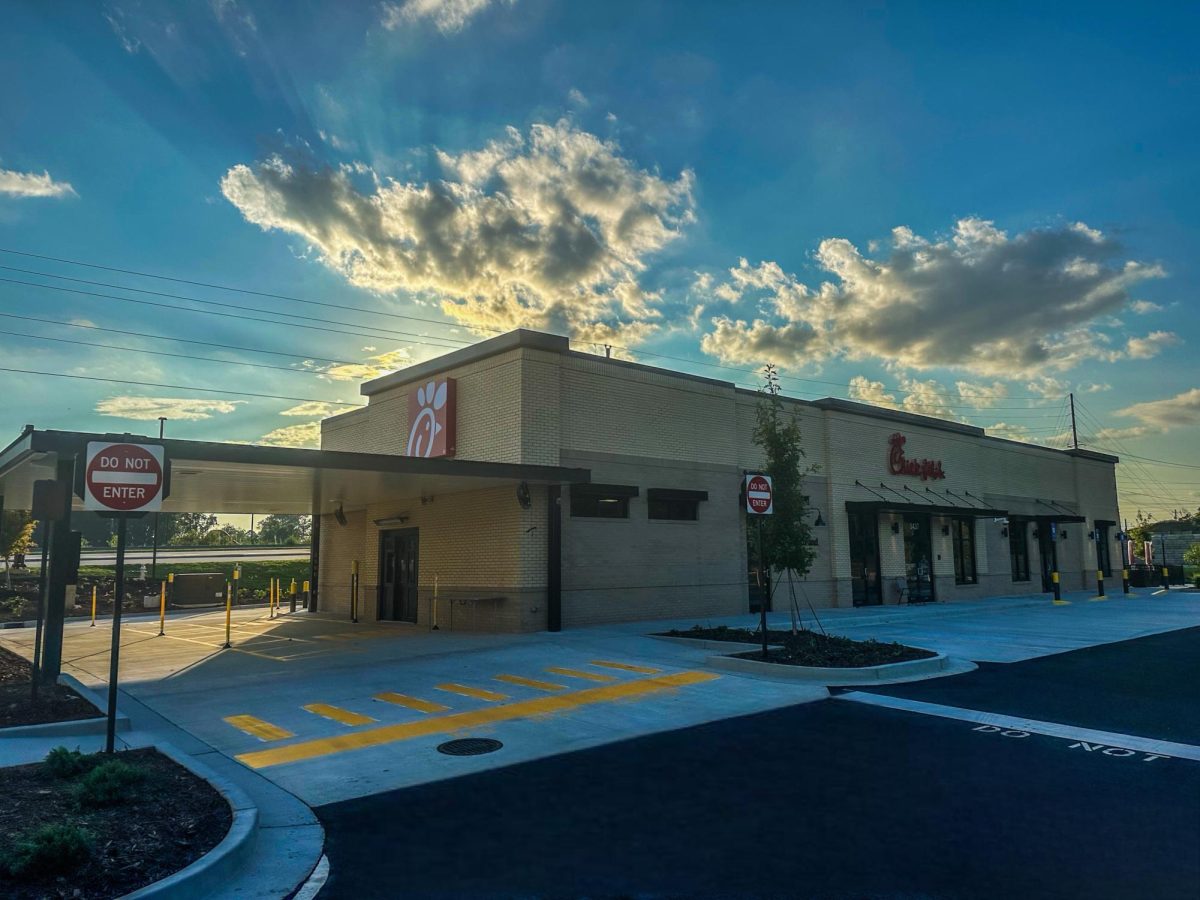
760 497
123 477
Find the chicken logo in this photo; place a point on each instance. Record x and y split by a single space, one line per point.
431 418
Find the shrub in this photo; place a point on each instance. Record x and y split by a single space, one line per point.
107 784
63 763
50 850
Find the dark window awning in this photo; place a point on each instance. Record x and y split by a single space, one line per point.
243 478
924 508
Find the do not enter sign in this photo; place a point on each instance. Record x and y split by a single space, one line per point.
760 498
123 477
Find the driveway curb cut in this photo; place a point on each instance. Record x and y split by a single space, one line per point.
913 668
219 864
71 727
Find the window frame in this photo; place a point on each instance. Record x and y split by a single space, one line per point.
1018 533
660 500
962 536
596 501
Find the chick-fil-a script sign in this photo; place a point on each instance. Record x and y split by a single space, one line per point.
899 464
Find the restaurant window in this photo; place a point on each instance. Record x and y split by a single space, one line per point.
1018 549
675 505
601 501
962 533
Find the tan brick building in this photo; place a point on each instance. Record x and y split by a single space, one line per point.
658 529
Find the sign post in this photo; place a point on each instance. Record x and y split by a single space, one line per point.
122 481
760 502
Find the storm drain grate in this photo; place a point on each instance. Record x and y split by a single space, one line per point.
469 746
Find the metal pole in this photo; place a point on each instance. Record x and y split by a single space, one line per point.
115 652
162 422
228 614
766 598
36 673
1074 434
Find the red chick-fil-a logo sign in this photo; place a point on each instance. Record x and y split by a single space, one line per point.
431 419
898 464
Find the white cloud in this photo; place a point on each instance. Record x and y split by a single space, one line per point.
379 364
1143 307
30 184
1180 411
314 408
448 16
981 301
1151 345
577 97
306 435
874 392
174 408
547 230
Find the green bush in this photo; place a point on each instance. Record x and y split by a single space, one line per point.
106 785
50 850
63 763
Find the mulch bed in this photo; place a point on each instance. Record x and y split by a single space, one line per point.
56 702
166 821
808 648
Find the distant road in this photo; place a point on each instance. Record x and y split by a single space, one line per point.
105 556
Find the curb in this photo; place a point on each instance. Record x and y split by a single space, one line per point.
220 863
913 668
71 727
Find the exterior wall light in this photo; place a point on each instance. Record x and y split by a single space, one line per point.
895 528
946 530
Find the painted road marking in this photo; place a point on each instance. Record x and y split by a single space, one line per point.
477 693
1014 723
575 673
345 716
531 683
1117 752
539 706
411 702
255 727
628 667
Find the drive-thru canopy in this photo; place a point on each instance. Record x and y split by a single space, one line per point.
227 478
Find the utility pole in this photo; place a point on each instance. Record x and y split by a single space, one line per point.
1074 433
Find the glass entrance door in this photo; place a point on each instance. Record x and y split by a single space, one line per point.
865 587
918 558
398 554
1048 551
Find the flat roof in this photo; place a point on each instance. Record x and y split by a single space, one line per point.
214 477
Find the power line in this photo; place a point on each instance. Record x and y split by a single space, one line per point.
167 337
181 387
1163 462
439 323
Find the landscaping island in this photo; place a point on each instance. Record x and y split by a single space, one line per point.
99 826
807 648
55 703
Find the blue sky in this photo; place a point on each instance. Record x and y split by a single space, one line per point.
966 210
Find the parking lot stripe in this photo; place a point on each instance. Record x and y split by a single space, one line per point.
477 693
627 667
575 673
538 706
256 727
416 703
531 682
345 716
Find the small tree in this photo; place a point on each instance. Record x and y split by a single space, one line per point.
1140 532
16 534
1191 555
787 533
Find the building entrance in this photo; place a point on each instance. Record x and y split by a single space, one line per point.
865 586
1047 533
399 551
918 559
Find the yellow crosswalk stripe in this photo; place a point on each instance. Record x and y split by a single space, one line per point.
477 693
457 722
416 703
626 667
575 673
345 716
531 682
256 727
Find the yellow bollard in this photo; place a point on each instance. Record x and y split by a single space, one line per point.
292 596
162 608
228 614
307 596
93 606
